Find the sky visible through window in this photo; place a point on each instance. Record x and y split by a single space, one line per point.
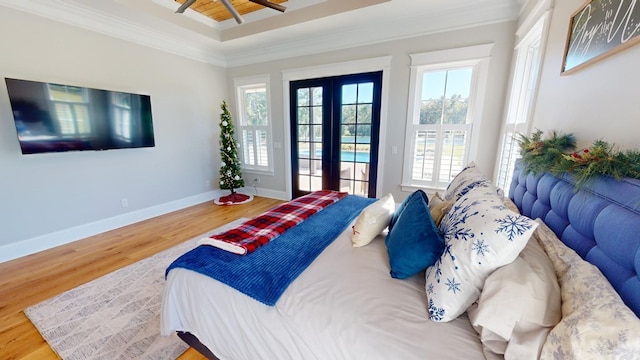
458 83
363 92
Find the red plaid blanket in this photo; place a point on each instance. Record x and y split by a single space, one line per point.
258 231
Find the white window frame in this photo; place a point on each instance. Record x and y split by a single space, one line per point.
241 85
528 55
476 57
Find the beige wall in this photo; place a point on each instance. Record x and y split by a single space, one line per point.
399 73
600 101
49 199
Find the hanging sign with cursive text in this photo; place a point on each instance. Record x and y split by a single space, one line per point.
599 29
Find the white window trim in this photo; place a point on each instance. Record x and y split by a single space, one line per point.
240 84
534 29
477 56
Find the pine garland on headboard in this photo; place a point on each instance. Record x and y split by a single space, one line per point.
557 155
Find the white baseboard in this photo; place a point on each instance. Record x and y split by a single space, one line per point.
62 237
273 194
48 241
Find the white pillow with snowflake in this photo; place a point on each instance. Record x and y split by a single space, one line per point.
480 235
468 179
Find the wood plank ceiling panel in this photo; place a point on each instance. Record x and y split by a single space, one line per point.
216 11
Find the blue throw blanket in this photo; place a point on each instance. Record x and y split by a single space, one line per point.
267 272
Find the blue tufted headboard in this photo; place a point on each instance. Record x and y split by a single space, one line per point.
601 222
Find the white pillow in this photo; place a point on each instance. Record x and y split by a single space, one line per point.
469 178
480 235
372 220
596 324
519 305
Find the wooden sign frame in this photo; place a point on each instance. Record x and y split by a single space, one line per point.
598 29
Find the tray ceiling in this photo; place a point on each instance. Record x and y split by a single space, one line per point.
216 11
206 31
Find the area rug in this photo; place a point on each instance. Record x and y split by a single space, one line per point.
116 316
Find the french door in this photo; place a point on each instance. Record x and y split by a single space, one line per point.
335 125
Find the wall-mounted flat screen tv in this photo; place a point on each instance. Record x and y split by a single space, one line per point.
55 117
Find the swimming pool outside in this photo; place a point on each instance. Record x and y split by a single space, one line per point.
345 155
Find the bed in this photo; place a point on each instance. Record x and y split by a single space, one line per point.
364 301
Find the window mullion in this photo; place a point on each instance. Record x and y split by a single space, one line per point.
438 154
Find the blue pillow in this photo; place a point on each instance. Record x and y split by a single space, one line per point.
414 243
403 205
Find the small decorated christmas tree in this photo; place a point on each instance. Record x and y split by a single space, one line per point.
230 174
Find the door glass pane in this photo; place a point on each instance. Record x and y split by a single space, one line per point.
317 133
303 133
303 97
309 125
317 96
362 174
364 134
364 113
303 115
355 137
365 92
304 166
316 115
305 182
348 114
346 185
349 94
315 180
347 170
356 153
348 134
317 151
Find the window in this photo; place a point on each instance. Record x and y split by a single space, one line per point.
527 57
252 95
444 108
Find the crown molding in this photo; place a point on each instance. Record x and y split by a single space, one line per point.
245 51
72 14
419 25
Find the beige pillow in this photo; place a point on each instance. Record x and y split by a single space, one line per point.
518 306
438 207
372 221
596 324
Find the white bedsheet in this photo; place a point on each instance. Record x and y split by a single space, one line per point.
343 306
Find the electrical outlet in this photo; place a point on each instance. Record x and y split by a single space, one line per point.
256 180
124 202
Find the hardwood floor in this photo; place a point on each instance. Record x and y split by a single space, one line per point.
34 278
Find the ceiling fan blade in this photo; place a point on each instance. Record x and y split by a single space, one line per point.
269 4
184 6
232 10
